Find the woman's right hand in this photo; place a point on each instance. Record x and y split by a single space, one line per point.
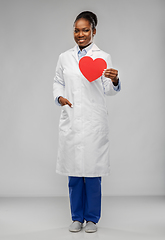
64 101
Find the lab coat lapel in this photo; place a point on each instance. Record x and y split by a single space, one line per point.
74 53
92 51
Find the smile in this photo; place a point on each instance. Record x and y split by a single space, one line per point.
81 40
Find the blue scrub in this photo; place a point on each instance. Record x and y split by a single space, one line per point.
85 198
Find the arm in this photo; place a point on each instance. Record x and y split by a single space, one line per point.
59 86
110 80
58 83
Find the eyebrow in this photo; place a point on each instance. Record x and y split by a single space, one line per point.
82 28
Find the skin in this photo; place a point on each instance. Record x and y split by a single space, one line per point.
83 36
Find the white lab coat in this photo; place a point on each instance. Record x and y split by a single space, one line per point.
83 149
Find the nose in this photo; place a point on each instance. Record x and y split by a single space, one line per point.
81 34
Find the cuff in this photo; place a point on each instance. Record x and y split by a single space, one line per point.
118 87
56 101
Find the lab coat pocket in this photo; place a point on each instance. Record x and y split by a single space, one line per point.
100 118
65 121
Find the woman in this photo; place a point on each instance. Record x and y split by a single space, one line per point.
83 153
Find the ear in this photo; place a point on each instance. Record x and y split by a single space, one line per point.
94 31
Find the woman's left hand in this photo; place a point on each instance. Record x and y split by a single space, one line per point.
112 74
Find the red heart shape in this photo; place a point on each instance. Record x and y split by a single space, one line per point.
92 69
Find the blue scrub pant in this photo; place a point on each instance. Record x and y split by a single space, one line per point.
85 198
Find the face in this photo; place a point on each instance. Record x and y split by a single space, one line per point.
83 33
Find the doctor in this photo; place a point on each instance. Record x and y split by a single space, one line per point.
83 152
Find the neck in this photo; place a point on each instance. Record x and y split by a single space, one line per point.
82 47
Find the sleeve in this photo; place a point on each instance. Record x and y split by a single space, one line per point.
56 101
58 83
118 87
108 87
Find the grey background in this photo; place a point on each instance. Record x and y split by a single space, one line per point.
32 35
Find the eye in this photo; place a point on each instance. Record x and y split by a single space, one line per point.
76 31
86 30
